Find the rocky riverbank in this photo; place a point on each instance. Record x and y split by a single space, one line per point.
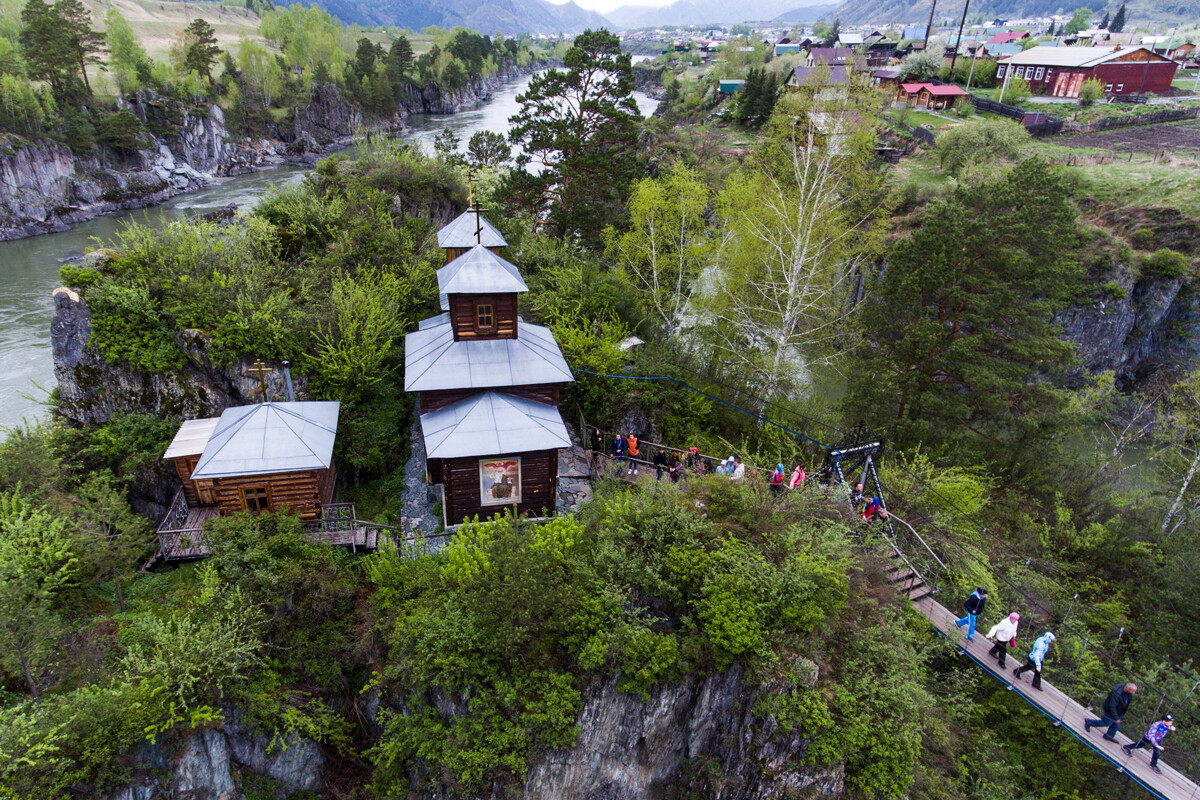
45 187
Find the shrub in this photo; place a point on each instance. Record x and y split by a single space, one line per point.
1016 92
1165 263
985 141
1091 91
1115 290
1142 238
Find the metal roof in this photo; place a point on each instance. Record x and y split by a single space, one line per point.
433 360
477 271
1076 56
460 232
821 76
433 322
492 423
191 437
270 437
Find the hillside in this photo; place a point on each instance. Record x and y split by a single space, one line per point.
1140 12
701 12
505 16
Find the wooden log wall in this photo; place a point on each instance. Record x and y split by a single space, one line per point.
184 465
303 492
541 392
539 477
504 312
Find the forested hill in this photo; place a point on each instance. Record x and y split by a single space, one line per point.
506 16
911 11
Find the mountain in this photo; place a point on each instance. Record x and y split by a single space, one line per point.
485 16
702 12
884 12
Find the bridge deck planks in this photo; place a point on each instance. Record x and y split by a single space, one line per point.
1171 784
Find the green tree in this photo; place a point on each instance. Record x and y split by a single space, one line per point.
981 143
488 149
1104 22
48 55
580 125
798 224
113 535
364 58
667 244
961 325
1179 464
923 65
445 145
1079 21
260 70
84 44
1091 91
202 50
1118 22
122 131
36 562
127 56
400 58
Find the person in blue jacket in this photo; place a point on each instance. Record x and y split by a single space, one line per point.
1036 656
974 606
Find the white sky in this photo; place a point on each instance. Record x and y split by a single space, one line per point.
608 5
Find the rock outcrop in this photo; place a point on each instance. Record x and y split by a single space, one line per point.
1134 326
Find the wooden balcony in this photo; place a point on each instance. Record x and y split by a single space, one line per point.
181 533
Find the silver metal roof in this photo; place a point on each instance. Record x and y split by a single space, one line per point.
492 423
433 322
461 232
191 437
270 437
480 270
433 360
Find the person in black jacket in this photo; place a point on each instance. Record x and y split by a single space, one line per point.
1115 706
974 606
660 463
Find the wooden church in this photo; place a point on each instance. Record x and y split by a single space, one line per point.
487 383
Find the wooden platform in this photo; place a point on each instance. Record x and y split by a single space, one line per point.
1059 708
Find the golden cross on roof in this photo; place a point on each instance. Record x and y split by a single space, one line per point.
260 369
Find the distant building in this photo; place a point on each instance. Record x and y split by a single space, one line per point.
834 57
1008 37
730 85
819 78
929 95
852 40
1060 71
787 48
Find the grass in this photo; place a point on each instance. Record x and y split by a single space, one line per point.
916 119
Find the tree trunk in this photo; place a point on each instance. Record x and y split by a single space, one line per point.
83 71
120 596
1187 481
33 689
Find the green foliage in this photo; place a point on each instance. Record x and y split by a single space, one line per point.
121 131
1080 20
487 149
201 50
980 143
1090 91
128 326
1166 263
1013 91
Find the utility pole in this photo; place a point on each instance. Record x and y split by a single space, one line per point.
958 44
972 72
1146 71
929 25
1008 71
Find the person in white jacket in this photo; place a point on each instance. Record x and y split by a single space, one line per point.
1004 633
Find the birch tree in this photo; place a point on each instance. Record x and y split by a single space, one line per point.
1180 462
797 226
668 241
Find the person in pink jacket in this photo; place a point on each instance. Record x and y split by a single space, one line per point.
797 477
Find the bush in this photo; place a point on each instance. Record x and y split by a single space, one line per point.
1091 91
1142 238
1165 263
1016 92
1115 290
982 142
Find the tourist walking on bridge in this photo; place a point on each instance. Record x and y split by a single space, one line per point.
1036 656
618 451
631 442
797 477
660 463
1004 633
974 606
777 478
739 469
1153 740
1115 706
597 448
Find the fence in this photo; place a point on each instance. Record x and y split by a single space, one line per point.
1038 123
1169 115
923 135
1003 109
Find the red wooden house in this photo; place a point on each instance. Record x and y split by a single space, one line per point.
1061 71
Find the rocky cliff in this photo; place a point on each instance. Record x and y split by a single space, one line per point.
432 99
697 738
44 186
1134 326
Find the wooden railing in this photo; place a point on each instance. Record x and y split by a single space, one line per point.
335 518
177 514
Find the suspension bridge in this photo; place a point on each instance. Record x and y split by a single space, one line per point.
928 567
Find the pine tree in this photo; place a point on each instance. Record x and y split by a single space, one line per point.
47 51
1104 22
1118 22
84 44
364 58
400 58
202 51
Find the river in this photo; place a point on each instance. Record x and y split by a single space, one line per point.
29 267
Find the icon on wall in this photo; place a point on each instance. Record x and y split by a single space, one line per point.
499 481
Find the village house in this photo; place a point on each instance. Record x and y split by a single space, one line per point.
273 456
929 95
1061 71
488 386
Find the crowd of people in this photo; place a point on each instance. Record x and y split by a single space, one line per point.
1004 636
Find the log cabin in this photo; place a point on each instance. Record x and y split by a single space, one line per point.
488 386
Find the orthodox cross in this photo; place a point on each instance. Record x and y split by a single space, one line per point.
473 205
260 369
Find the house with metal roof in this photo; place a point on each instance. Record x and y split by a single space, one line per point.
467 230
488 386
265 457
1061 71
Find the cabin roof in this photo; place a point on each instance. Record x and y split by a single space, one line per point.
460 232
433 360
191 437
480 271
270 437
491 423
1078 56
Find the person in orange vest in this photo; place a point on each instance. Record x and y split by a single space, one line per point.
631 442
